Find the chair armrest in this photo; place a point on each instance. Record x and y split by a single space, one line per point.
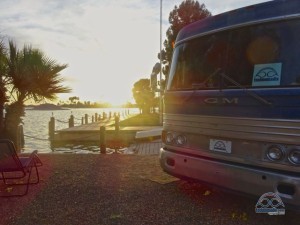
33 160
36 159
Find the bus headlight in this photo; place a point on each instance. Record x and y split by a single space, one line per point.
294 156
169 138
275 153
181 140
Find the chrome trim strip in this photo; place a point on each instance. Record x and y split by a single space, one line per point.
256 129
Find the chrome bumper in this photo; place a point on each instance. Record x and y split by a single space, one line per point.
254 181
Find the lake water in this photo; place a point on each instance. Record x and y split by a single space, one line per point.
36 127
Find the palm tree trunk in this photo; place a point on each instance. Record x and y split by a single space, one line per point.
2 102
13 119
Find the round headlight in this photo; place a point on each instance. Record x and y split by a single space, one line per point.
294 156
169 138
275 153
181 140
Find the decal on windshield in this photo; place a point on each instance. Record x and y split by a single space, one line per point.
267 74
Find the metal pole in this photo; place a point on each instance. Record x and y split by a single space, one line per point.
160 72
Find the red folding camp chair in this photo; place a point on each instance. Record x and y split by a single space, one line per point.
17 170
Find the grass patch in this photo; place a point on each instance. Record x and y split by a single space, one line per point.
151 119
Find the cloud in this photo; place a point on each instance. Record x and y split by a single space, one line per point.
108 44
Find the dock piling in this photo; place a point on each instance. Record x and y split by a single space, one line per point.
51 127
20 138
71 121
102 140
86 119
117 124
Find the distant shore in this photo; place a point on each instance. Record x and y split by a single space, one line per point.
47 107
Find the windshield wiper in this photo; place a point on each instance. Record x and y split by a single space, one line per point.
247 91
218 71
197 86
204 84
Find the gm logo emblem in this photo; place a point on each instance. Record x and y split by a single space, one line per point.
267 74
271 204
221 101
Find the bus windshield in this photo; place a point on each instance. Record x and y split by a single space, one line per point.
255 56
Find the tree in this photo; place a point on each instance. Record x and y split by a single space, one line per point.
188 12
31 75
3 97
143 95
74 99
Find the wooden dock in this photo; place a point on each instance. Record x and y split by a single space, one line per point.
90 133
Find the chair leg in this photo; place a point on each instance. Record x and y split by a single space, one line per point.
3 178
37 176
17 184
28 182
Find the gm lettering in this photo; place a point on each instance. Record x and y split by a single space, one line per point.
222 101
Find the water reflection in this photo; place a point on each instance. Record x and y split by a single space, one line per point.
36 128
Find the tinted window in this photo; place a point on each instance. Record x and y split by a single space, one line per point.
264 55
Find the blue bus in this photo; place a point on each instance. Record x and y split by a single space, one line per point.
232 101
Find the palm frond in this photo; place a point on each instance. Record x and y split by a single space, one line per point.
34 75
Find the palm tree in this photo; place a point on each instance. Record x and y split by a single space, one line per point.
32 76
3 97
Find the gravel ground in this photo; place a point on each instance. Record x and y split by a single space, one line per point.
127 190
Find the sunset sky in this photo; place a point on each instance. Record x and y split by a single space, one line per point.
107 44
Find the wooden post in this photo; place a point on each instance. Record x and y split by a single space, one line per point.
71 121
102 140
93 119
51 127
117 124
20 138
104 115
82 120
86 119
96 117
